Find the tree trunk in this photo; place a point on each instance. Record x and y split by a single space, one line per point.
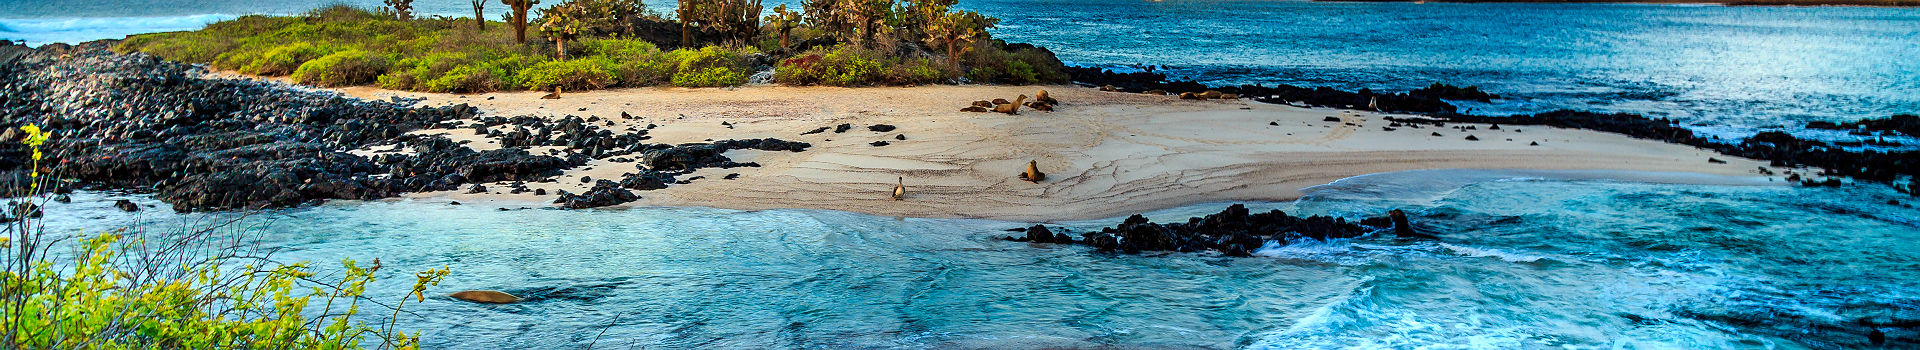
952 56
520 24
783 36
686 33
560 45
480 15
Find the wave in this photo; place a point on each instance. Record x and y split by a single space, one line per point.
71 30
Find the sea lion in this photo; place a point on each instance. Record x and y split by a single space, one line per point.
900 190
486 296
1190 96
1210 95
1033 173
974 109
984 104
553 96
1000 101
1011 108
1229 96
1042 97
1040 106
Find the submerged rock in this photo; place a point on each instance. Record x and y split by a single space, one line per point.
486 296
126 205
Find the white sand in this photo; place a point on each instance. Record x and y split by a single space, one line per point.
1106 154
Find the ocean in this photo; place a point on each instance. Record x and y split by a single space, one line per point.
1523 260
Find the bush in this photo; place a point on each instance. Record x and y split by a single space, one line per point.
709 66
344 68
583 74
415 73
450 55
466 79
991 64
194 289
844 65
620 49
284 59
918 71
183 47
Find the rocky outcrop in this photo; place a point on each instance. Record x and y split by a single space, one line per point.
1780 148
604 193
198 143
1906 124
137 122
1234 232
1147 82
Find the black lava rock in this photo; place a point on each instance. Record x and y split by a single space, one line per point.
1234 231
604 193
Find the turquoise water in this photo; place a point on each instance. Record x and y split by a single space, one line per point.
1521 262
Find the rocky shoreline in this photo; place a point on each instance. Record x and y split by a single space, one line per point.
1782 149
135 122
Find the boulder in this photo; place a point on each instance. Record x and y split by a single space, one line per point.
126 205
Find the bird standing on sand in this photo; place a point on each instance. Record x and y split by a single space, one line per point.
1033 173
900 190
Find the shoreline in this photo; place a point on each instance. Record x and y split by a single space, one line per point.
1108 154
1471 176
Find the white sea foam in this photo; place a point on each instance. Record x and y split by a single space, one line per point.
1490 252
71 30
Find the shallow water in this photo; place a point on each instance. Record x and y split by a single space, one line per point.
1522 262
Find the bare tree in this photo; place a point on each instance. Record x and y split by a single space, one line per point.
519 17
480 14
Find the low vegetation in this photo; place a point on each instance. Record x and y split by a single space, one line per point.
596 44
198 289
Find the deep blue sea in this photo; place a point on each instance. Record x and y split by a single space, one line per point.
1522 261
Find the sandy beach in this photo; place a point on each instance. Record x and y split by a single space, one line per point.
1106 154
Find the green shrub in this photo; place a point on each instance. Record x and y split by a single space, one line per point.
844 65
466 79
620 49
918 71
415 73
571 75
709 66
1045 68
284 59
798 71
344 68
508 67
183 47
